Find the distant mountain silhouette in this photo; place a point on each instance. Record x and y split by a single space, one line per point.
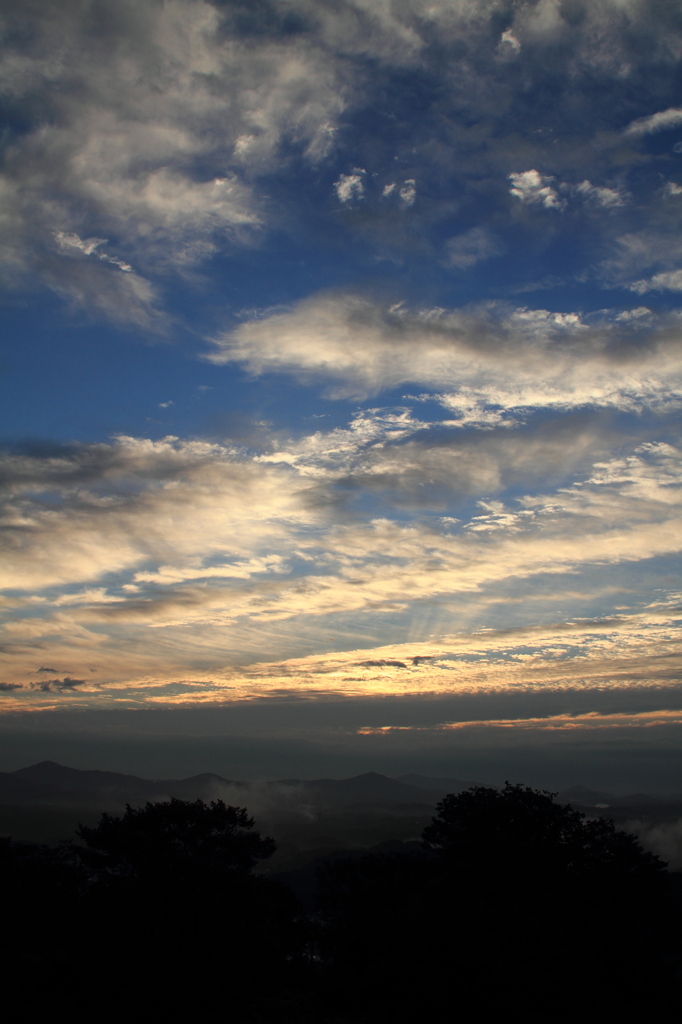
369 788
51 773
17 790
586 797
52 783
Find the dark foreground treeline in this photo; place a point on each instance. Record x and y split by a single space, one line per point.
514 905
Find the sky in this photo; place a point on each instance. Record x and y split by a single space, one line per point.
342 380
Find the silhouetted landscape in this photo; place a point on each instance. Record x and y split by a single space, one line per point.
45 802
345 901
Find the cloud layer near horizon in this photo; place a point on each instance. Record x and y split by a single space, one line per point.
171 559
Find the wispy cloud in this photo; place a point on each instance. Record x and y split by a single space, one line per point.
662 119
493 357
670 280
469 248
627 660
600 196
251 551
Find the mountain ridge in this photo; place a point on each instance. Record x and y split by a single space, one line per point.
51 782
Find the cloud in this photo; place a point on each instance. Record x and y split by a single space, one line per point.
548 723
670 118
213 553
411 465
533 188
162 128
594 674
651 249
95 595
469 248
67 684
350 186
154 128
667 281
605 197
487 361
408 192
94 484
508 42
127 298
240 570
131 125
88 247
573 656
662 838
535 466
383 663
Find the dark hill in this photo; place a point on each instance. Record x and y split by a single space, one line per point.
52 783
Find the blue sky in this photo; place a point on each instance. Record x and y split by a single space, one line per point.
342 369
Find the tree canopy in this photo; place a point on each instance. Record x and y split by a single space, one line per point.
521 828
158 912
177 838
514 896
511 900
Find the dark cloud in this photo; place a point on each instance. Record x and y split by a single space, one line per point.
119 465
58 685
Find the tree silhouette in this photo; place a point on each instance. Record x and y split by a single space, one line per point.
156 913
178 840
172 885
39 888
513 903
513 899
522 830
